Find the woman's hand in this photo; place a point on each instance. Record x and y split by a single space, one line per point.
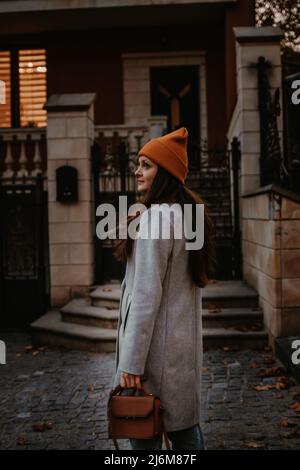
130 380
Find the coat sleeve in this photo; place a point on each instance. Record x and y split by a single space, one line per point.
151 261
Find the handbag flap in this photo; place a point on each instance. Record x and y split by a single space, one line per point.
127 406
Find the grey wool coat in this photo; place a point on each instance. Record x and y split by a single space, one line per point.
159 333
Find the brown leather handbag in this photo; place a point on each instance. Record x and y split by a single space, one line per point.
136 417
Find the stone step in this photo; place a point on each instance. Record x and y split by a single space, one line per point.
239 318
50 330
220 294
226 337
81 312
106 295
229 294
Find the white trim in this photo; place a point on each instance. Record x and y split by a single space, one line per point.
136 83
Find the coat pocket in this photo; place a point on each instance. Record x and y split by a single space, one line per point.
127 311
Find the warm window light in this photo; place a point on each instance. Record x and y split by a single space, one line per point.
5 77
33 87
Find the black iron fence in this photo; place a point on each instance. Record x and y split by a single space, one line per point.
213 173
279 159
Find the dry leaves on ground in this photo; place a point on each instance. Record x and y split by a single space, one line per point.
282 383
271 372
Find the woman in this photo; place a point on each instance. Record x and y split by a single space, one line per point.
159 340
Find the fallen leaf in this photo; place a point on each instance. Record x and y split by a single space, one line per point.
21 440
35 353
254 365
28 348
286 423
215 310
233 348
255 445
42 426
285 382
18 355
295 406
291 435
211 306
263 388
90 388
42 348
271 372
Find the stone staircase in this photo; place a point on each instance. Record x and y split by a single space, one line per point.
231 318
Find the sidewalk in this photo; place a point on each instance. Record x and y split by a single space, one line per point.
56 399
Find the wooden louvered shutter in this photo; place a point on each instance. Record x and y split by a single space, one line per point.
33 87
5 92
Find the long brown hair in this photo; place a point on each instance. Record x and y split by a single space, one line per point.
166 188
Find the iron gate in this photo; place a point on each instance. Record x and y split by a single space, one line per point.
24 281
209 175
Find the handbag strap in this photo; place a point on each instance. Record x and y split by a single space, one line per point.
119 389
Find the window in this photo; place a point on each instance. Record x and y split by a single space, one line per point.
25 75
5 104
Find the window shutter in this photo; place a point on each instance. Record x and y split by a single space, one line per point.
33 87
5 77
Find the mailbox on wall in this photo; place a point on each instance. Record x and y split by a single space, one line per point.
66 184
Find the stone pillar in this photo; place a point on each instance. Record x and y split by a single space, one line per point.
252 42
70 134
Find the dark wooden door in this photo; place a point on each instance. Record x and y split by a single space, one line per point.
175 93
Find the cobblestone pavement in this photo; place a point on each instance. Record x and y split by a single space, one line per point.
56 399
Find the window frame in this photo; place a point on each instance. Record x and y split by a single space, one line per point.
15 80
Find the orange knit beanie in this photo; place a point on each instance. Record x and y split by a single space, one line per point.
170 152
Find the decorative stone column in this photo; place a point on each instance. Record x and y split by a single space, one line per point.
70 134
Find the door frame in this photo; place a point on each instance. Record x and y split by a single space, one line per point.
136 83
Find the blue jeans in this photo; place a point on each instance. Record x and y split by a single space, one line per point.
190 438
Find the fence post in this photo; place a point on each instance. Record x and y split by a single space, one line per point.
237 252
70 134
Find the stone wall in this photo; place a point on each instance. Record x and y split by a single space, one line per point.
271 254
70 134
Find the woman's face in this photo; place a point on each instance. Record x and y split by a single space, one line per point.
145 173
